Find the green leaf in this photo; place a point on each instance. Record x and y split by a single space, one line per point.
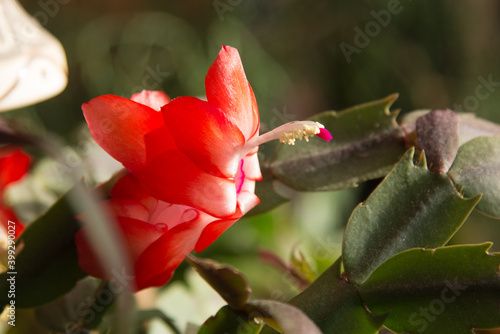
287 318
47 266
430 291
334 305
302 266
412 207
230 321
366 144
228 282
476 170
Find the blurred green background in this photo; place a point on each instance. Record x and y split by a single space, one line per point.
434 53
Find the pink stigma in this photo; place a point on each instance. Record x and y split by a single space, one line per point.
324 134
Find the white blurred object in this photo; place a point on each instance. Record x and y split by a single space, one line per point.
32 62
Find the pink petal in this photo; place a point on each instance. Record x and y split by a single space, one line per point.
154 99
118 125
128 208
227 88
204 134
247 200
251 167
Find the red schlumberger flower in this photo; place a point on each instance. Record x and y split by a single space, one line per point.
14 164
193 166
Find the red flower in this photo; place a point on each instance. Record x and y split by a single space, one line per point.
193 152
157 235
193 166
14 164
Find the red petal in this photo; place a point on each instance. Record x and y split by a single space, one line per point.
118 125
212 232
246 201
204 133
7 216
158 262
138 235
14 164
227 88
173 178
157 142
154 99
128 187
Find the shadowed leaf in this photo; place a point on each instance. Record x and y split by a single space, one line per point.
47 266
334 305
444 290
366 144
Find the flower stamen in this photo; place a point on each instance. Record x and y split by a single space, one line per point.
289 132
306 132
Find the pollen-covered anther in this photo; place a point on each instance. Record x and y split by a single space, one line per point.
306 132
288 133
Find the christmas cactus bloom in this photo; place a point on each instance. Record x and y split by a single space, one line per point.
157 235
14 165
192 156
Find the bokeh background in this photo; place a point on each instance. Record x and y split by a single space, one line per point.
301 58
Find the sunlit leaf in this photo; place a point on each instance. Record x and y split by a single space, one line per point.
476 170
228 282
443 290
366 144
412 207
230 321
